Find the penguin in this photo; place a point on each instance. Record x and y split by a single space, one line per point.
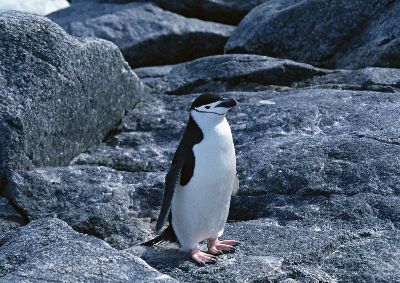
200 182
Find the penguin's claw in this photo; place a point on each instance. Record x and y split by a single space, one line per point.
217 247
229 242
201 257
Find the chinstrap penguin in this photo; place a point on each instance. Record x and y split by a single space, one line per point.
200 182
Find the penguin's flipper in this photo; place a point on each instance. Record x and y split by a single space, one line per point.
170 182
183 157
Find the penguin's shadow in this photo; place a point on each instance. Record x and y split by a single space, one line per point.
165 257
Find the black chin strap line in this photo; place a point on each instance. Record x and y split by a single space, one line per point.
207 112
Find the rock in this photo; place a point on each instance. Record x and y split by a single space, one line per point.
227 73
270 252
223 11
49 250
373 79
114 206
10 219
148 137
315 31
146 34
377 45
53 107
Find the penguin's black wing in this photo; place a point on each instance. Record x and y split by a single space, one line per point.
182 165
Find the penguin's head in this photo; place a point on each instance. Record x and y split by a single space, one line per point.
212 104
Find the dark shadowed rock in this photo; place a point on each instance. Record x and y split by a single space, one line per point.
58 94
223 11
146 34
227 73
315 31
114 206
49 250
10 219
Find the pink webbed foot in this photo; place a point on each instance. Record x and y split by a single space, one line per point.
202 257
217 247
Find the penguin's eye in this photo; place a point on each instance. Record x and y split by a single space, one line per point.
207 107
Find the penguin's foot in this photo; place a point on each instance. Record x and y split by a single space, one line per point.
217 247
202 257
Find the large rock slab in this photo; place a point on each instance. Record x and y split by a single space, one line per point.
315 31
146 34
114 206
10 219
58 94
220 73
49 250
272 252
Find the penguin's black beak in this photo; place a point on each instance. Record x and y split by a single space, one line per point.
227 103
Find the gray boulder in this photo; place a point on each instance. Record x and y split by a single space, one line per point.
220 73
315 31
58 94
49 250
114 206
146 34
10 219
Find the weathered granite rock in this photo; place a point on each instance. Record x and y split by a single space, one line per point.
146 34
10 219
114 206
49 250
220 73
271 252
315 31
58 94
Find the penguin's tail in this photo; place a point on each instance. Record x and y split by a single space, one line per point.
167 235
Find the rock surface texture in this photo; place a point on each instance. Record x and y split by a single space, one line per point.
317 176
146 34
345 34
48 250
58 94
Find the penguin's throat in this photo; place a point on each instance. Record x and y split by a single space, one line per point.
207 121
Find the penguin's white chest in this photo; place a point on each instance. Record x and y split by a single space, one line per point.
200 209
